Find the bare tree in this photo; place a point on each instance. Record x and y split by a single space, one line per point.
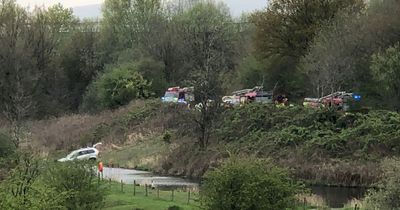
209 55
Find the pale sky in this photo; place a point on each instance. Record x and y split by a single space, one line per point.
93 8
66 3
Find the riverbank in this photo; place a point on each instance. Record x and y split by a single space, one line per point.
317 146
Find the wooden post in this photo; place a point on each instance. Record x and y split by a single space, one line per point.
122 186
172 195
109 182
146 189
134 187
188 201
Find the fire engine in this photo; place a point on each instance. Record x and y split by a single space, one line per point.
339 100
179 95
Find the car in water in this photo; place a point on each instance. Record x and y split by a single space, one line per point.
88 153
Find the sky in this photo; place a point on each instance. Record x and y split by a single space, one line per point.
90 8
66 3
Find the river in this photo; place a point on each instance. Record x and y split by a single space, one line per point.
334 197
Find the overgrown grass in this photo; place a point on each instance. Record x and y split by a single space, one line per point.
146 153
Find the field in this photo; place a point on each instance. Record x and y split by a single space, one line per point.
124 199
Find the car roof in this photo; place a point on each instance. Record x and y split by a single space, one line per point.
83 149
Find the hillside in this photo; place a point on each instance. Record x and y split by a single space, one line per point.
323 147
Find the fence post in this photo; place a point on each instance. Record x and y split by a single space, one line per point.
172 195
188 201
122 186
109 182
134 187
146 189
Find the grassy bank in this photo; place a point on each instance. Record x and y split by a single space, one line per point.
318 146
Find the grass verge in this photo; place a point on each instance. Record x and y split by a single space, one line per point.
124 199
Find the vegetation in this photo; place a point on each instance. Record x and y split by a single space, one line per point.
386 196
67 83
248 184
61 186
116 88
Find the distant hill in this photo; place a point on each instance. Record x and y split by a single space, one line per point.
237 8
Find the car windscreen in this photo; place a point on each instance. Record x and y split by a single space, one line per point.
72 154
171 95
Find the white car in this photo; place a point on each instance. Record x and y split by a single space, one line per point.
89 153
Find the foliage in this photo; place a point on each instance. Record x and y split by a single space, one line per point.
314 132
248 184
78 180
282 48
22 190
6 145
386 71
388 194
251 73
116 88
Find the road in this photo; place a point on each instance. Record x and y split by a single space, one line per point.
129 176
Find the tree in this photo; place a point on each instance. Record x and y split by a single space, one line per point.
330 62
386 71
21 64
284 32
115 88
340 55
208 37
245 183
80 62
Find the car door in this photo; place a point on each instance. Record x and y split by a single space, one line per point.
82 155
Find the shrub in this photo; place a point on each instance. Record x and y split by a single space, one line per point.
79 181
23 190
388 194
115 88
6 145
248 184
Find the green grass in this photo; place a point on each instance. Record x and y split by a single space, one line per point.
125 200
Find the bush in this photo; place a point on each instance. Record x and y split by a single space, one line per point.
388 194
116 88
248 184
23 190
6 145
79 181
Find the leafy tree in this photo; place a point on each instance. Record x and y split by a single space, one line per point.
115 88
284 33
248 184
386 71
251 73
80 62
